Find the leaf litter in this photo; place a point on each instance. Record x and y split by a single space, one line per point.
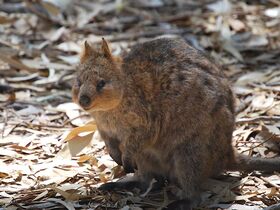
51 157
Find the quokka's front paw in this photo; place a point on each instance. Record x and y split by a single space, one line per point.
128 163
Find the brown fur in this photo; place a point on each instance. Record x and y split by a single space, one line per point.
169 112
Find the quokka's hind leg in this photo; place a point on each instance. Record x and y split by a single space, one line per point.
248 164
188 175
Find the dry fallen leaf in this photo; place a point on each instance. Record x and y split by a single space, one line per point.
84 158
88 128
68 196
262 102
75 146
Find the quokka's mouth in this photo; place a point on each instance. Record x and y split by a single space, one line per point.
89 107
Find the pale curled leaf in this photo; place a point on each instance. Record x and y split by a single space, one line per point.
75 146
262 102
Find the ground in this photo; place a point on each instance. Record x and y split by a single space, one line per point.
50 156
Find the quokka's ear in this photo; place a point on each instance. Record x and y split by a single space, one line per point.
105 48
87 50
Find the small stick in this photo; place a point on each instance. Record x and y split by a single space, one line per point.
259 144
255 119
270 183
70 120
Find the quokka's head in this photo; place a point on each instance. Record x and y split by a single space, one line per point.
97 85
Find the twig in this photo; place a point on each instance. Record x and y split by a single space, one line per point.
270 183
33 125
149 188
263 87
70 120
255 119
251 148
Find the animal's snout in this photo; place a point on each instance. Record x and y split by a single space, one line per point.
84 101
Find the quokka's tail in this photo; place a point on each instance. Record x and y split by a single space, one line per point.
248 164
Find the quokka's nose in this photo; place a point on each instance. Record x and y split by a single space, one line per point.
84 100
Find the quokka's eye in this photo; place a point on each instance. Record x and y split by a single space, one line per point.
100 85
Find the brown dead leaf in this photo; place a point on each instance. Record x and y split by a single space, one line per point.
6 20
102 167
84 158
73 196
269 138
117 172
273 192
88 128
3 175
16 63
51 8
103 178
19 148
93 161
